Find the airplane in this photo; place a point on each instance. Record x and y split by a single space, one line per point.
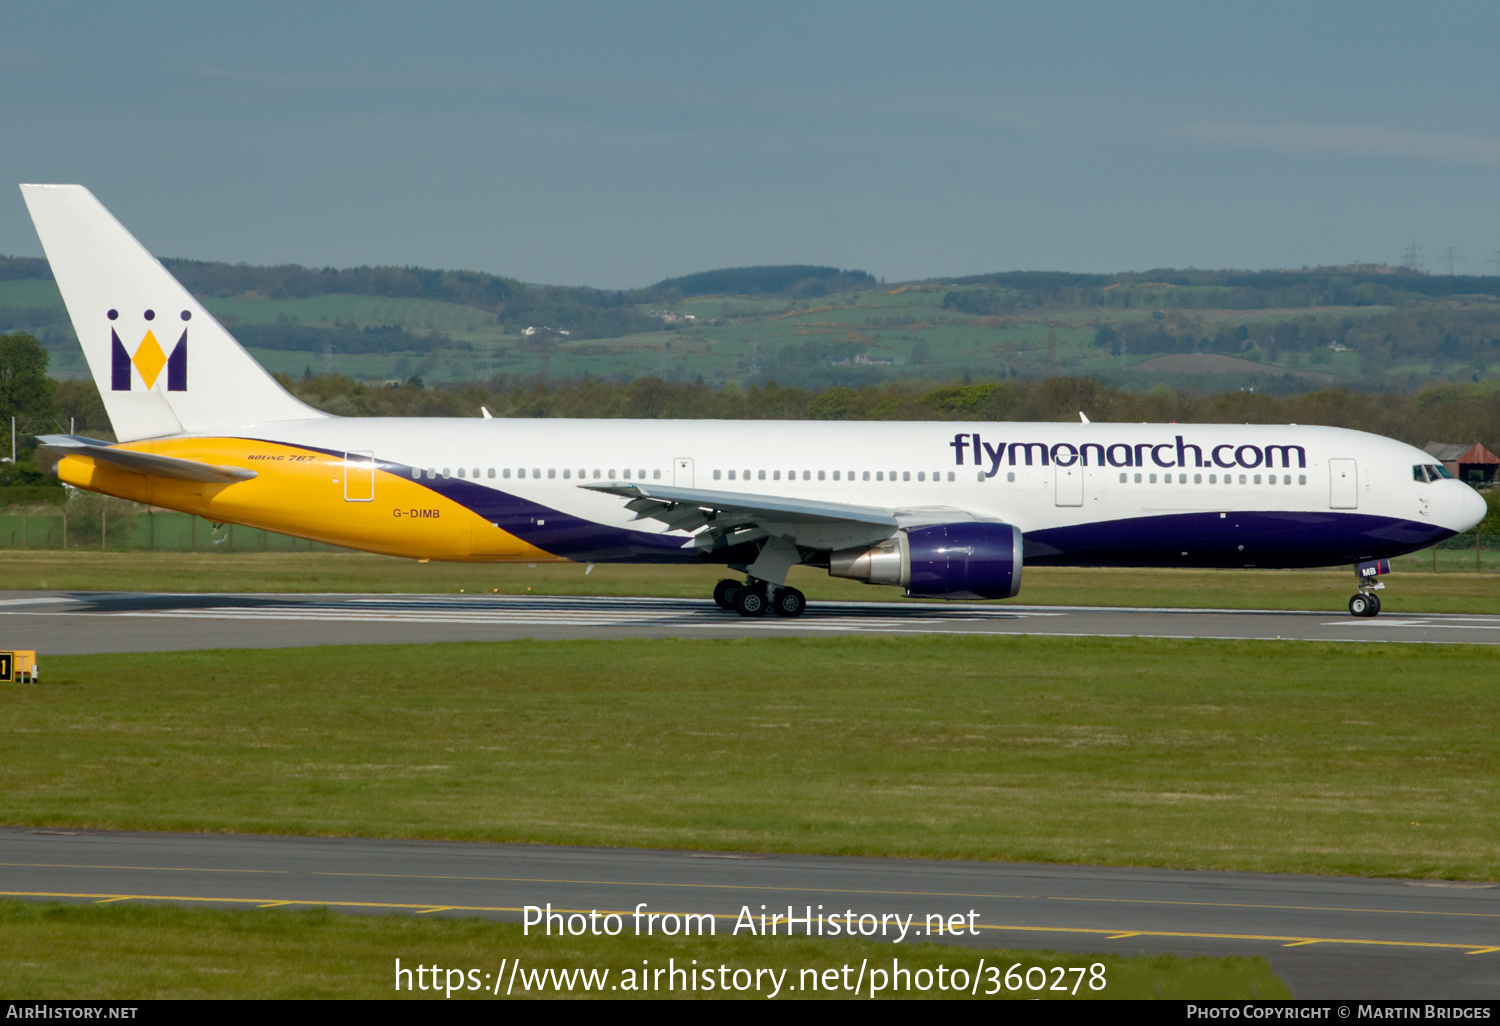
943 510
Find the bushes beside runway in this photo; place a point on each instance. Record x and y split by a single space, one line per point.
1275 756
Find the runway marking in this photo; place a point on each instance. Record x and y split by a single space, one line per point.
156 869
1283 908
771 887
1472 949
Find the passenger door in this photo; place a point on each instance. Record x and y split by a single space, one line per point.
359 477
1343 484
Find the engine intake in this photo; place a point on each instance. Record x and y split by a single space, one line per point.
952 561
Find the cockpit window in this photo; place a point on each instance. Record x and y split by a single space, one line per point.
1430 472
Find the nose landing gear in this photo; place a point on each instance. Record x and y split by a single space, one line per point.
1365 602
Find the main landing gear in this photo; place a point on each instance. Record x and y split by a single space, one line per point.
754 598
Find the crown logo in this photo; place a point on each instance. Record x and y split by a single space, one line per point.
148 360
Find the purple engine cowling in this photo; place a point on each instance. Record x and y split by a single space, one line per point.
965 560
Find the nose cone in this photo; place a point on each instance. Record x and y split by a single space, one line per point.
1470 508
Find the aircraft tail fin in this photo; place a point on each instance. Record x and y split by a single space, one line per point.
163 365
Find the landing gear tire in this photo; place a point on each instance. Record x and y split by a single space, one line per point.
789 602
751 601
1375 599
724 593
1364 605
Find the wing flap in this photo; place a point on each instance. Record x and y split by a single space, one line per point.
660 502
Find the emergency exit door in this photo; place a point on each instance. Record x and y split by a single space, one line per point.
1069 485
682 472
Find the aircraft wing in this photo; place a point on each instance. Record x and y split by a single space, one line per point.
735 517
55 447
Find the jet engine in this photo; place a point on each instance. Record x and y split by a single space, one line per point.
950 561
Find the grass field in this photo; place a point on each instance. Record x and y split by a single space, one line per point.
1450 591
1272 756
138 952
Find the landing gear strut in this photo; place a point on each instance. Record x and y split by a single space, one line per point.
755 598
1365 602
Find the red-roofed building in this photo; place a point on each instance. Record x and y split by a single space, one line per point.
1470 463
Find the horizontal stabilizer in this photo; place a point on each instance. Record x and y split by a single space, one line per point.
55 447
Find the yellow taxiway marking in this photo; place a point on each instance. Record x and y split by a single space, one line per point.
1284 908
769 887
1473 949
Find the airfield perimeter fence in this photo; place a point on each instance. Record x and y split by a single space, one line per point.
56 527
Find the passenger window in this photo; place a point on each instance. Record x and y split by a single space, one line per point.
1257 479
1302 479
521 472
1197 479
627 475
1242 479
906 475
656 475
879 476
982 478
567 474
775 475
1010 476
640 475
835 475
1122 478
505 473
820 474
490 473
921 475
1137 479
866 476
551 471
475 475
1271 479
1153 479
582 474
535 472
747 475
807 475
731 475
760 476
415 473
1182 479
446 473
716 475
950 476
596 475
1213 478
460 471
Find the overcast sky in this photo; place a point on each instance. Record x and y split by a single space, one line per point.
616 144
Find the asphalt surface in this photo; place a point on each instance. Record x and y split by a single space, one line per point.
73 623
1329 937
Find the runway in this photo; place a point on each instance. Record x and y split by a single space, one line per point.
1327 936
75 623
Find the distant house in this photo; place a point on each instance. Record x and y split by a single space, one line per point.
1472 463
